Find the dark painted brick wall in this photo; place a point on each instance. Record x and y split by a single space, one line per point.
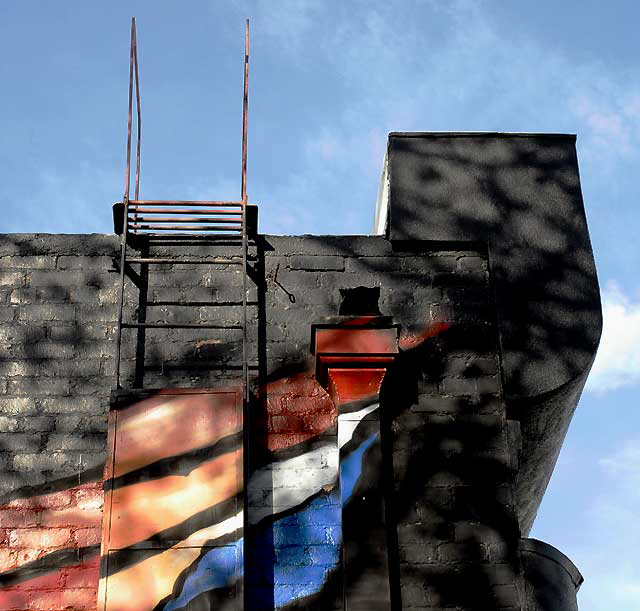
58 302
446 429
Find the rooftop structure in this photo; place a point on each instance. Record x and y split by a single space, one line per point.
260 422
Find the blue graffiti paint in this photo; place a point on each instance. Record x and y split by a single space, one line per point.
297 552
351 468
307 546
218 568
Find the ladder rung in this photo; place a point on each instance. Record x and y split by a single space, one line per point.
183 219
161 202
158 325
186 261
208 366
234 237
143 210
202 304
181 227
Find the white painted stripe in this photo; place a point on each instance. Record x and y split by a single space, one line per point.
288 483
347 423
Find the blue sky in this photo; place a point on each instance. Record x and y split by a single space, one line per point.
328 81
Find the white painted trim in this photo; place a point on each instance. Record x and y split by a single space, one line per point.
382 203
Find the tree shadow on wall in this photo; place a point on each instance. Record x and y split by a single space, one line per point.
59 350
451 528
449 475
56 360
522 198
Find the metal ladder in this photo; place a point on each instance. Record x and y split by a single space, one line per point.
180 222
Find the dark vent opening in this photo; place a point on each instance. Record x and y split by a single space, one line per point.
360 301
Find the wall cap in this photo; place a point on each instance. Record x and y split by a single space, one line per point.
535 546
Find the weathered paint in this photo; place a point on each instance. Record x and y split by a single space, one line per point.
50 559
173 475
172 520
453 452
301 555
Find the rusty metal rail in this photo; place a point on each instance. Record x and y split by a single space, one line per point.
160 202
161 261
180 221
143 217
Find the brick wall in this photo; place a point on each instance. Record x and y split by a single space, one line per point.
453 471
442 413
57 307
442 404
50 546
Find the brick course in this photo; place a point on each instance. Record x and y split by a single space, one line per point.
57 336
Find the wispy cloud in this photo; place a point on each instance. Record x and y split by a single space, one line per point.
609 128
415 65
618 360
620 590
624 466
615 511
81 201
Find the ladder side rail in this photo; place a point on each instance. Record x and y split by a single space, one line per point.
139 114
245 107
246 432
245 247
243 190
123 262
133 60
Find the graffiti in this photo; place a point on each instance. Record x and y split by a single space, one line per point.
302 555
297 547
208 562
50 554
173 497
172 482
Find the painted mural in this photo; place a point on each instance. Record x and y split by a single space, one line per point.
50 554
172 524
173 538
172 507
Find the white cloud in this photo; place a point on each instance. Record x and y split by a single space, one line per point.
618 360
82 200
613 534
611 591
632 107
410 65
624 466
325 144
609 128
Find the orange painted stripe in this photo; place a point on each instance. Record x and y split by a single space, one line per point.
141 510
351 384
348 340
72 587
413 341
164 426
